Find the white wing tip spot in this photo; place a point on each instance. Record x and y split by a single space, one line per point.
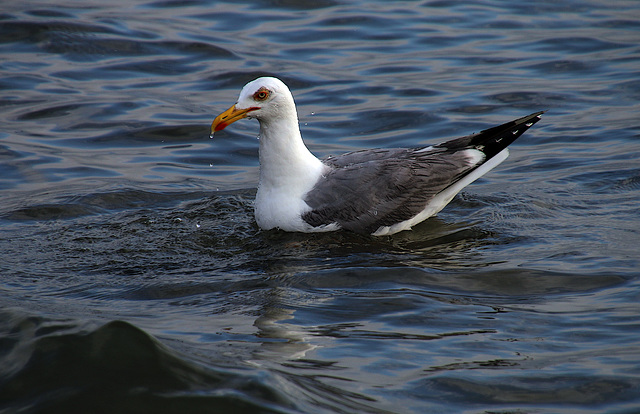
474 157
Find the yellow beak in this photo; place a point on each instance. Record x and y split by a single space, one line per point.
228 117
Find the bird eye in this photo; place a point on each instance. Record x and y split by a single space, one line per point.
261 95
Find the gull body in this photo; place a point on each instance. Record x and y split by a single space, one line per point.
378 191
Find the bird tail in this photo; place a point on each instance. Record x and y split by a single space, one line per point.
493 140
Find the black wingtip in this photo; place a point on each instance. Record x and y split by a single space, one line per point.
493 140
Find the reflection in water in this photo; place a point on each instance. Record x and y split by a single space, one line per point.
281 340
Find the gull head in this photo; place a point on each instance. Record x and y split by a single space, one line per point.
265 99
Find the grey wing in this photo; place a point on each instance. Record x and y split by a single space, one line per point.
368 189
365 190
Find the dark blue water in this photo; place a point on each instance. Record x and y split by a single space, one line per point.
133 277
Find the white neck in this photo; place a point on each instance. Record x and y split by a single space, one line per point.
284 159
288 170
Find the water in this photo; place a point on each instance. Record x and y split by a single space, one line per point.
134 278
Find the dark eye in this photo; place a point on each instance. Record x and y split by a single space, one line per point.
261 95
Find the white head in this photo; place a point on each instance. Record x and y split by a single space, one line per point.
265 99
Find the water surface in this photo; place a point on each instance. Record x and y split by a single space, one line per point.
134 277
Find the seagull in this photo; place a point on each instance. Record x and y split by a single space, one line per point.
373 191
